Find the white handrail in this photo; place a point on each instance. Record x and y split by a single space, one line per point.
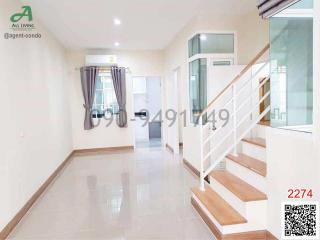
250 79
255 89
218 144
257 105
236 79
236 124
232 131
202 188
242 87
213 166
217 129
237 139
241 105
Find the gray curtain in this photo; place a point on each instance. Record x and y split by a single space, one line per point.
88 83
267 8
119 82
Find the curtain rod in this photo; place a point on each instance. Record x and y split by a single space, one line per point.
106 68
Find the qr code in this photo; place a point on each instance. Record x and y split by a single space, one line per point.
300 220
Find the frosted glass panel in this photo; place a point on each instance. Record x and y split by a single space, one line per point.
304 4
291 55
211 43
194 45
197 87
216 43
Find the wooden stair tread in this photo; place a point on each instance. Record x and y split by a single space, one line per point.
250 163
218 207
265 123
240 188
252 235
256 141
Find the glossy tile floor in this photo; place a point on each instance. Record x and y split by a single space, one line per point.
154 142
134 195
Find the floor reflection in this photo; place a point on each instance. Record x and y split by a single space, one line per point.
132 195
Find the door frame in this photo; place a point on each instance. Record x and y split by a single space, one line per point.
161 103
172 93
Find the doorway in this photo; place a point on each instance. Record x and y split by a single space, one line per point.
147 111
174 123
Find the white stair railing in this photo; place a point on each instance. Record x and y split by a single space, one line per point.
246 100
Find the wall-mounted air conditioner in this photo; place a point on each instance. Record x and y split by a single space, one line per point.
101 60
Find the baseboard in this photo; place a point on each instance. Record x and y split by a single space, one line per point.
103 150
253 235
206 219
193 170
169 148
270 236
16 219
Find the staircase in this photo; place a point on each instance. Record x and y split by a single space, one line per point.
233 156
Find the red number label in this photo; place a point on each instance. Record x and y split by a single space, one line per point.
300 193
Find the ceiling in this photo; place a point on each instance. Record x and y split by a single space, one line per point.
146 24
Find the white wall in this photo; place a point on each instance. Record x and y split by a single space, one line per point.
316 71
219 78
293 158
292 162
252 34
35 124
141 63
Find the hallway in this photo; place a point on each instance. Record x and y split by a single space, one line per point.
133 195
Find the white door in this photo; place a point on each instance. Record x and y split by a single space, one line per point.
140 107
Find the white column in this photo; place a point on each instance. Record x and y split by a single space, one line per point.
316 72
234 97
202 188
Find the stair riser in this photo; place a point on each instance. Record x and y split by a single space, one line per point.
249 210
246 227
204 209
254 151
229 197
229 229
247 175
259 131
257 212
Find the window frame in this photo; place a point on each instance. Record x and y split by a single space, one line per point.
96 111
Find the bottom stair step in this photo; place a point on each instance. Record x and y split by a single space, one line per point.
252 235
218 207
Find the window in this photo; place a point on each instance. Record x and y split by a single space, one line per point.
291 54
211 43
198 87
105 101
